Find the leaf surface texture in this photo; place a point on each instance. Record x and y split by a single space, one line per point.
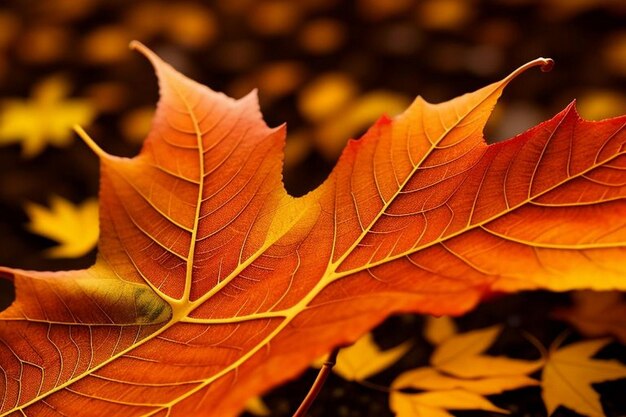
212 284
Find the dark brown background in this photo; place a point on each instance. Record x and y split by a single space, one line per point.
439 49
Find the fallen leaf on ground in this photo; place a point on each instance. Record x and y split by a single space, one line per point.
429 379
332 135
439 329
45 119
569 372
436 404
461 355
75 227
213 285
364 358
454 355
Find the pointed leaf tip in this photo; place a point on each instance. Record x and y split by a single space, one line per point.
90 142
135 45
147 52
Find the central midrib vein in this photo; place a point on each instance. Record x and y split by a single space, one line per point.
194 233
328 277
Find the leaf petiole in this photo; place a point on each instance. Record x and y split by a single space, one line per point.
315 389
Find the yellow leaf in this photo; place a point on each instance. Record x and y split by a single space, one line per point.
439 329
460 355
468 373
407 405
256 406
351 120
429 379
601 104
46 118
569 373
326 95
75 227
364 359
435 404
136 124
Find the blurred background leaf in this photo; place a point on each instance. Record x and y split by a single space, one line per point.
73 226
44 119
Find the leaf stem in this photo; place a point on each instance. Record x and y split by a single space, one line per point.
380 388
556 344
315 389
537 344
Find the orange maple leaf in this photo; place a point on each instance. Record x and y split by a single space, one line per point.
212 284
